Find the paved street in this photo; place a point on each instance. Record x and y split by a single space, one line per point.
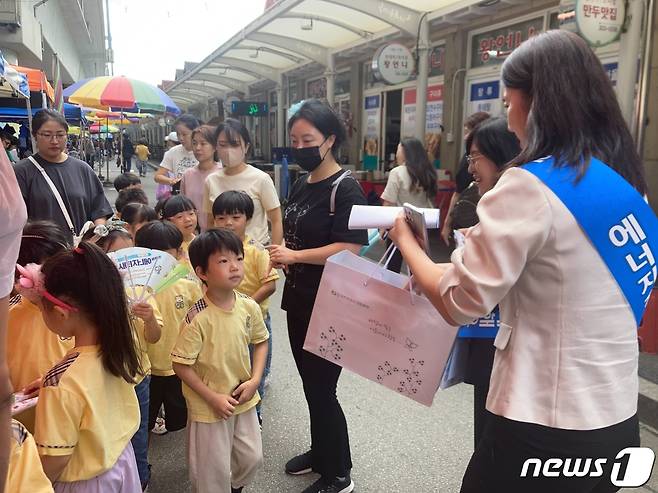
397 445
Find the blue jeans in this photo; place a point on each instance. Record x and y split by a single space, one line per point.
268 361
140 439
141 167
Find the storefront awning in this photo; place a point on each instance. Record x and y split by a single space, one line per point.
300 35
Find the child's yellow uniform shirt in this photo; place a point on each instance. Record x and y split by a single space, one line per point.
185 260
32 349
85 412
25 471
138 325
256 270
174 303
215 342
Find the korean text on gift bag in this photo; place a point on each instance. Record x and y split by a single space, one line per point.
366 320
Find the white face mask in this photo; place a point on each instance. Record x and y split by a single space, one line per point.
231 156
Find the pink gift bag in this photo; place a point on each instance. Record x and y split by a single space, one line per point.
367 321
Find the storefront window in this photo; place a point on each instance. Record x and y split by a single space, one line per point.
294 95
317 88
342 83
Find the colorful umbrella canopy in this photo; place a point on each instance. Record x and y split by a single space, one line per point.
114 120
97 128
120 92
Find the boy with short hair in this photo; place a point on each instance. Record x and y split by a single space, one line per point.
127 180
233 210
211 357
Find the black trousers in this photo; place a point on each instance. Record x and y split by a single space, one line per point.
499 458
167 392
330 446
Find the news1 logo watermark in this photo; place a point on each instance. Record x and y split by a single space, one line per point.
631 468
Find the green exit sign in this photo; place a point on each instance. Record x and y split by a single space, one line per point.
249 108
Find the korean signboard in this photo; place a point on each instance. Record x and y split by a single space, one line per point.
371 124
485 96
502 40
600 21
393 63
433 116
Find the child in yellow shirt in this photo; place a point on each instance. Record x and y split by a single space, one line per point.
32 349
182 212
147 324
211 357
87 410
233 210
25 471
174 303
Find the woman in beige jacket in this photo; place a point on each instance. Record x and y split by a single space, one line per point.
564 383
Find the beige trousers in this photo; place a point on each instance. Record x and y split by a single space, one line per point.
224 454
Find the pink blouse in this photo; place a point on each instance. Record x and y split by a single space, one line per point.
567 352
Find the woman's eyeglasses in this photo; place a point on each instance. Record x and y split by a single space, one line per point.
48 136
471 159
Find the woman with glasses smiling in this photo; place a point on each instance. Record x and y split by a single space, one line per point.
56 186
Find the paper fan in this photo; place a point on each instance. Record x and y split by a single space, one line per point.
143 267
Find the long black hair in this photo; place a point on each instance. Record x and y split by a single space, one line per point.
422 173
494 141
574 113
87 279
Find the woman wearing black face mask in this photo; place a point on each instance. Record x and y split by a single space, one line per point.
312 234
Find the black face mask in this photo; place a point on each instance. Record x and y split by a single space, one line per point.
309 158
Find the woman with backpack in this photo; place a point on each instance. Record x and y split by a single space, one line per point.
312 234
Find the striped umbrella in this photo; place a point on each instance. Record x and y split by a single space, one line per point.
120 92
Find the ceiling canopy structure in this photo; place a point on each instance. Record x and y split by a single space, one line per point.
295 36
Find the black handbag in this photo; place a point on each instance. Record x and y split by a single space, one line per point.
464 212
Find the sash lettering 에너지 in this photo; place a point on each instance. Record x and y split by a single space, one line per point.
624 231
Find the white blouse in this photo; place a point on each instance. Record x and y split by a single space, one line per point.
567 351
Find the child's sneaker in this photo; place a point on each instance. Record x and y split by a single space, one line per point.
159 428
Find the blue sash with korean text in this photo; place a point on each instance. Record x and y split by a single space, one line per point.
617 220
483 328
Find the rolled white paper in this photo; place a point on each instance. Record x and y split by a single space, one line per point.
372 216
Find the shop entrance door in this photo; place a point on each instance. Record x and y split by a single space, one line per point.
392 125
